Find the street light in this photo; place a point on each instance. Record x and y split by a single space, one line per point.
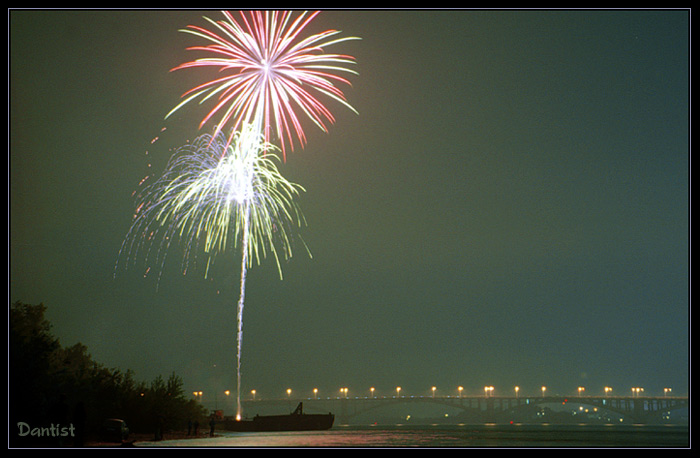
517 388
488 390
460 388
398 391
433 390
544 388
666 391
580 389
289 393
253 393
371 391
315 393
607 390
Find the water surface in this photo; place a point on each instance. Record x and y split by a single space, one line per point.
453 436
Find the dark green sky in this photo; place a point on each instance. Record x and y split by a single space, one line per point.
511 205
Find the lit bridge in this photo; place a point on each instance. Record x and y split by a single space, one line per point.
482 409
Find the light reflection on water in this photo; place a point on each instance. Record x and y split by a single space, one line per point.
452 436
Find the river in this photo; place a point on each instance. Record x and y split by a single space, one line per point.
454 436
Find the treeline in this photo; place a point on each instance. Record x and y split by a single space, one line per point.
50 385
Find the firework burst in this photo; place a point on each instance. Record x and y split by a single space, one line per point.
268 71
215 192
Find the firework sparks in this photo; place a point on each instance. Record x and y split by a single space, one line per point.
210 192
268 72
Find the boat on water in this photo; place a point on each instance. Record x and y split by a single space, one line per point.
295 421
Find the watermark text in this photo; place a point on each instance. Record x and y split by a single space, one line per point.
54 430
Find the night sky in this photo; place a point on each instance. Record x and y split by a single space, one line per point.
510 206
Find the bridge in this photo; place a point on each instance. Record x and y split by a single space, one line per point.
488 409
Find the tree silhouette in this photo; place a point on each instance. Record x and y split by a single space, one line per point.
45 379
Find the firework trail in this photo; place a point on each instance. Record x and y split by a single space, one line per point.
268 71
216 189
